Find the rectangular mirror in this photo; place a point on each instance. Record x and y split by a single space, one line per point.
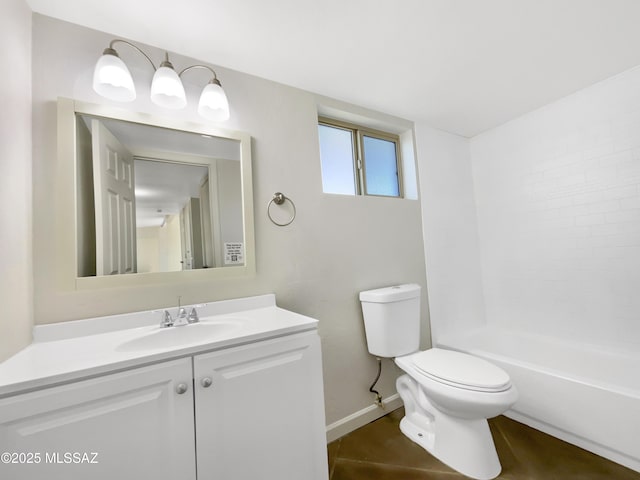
155 199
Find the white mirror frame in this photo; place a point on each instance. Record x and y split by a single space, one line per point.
66 202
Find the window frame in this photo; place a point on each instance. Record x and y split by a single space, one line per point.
358 132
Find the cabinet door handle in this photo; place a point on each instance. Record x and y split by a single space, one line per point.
181 388
206 382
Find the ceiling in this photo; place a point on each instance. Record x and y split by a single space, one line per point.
463 66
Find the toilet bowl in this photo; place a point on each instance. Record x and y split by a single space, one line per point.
460 384
447 395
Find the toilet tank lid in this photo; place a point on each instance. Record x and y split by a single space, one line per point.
395 293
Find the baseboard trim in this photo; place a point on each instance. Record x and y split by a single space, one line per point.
360 418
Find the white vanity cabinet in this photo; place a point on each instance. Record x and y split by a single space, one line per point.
260 411
129 425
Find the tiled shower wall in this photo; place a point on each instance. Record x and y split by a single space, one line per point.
558 204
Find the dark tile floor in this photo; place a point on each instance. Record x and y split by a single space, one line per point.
379 451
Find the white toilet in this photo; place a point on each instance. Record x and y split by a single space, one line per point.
447 395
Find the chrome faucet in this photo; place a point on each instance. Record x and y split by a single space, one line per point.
182 318
166 321
193 316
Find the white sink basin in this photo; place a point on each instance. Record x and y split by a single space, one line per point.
172 337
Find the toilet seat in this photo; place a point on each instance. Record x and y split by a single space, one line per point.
460 370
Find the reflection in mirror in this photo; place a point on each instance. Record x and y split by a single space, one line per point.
152 199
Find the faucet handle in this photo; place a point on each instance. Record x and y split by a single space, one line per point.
181 318
166 321
193 316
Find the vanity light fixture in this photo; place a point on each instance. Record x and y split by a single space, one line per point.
112 79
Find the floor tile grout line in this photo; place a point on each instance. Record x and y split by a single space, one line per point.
505 438
393 465
335 457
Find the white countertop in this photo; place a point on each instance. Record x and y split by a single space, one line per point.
79 349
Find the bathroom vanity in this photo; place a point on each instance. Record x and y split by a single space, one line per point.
237 396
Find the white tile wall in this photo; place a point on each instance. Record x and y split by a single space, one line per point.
558 204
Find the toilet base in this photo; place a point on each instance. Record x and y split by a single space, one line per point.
462 444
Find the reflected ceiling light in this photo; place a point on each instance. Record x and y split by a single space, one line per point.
112 80
143 192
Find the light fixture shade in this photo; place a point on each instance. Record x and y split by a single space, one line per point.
167 89
112 79
213 103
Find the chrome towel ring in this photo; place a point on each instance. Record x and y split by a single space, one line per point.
279 199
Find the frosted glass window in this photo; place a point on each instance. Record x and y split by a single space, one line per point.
336 155
381 167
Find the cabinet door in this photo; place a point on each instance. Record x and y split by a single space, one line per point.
262 417
128 425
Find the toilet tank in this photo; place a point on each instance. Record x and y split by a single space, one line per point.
392 320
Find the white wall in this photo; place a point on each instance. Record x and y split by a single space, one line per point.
450 232
558 198
148 249
16 276
336 247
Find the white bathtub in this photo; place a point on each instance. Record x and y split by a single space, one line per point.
585 395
